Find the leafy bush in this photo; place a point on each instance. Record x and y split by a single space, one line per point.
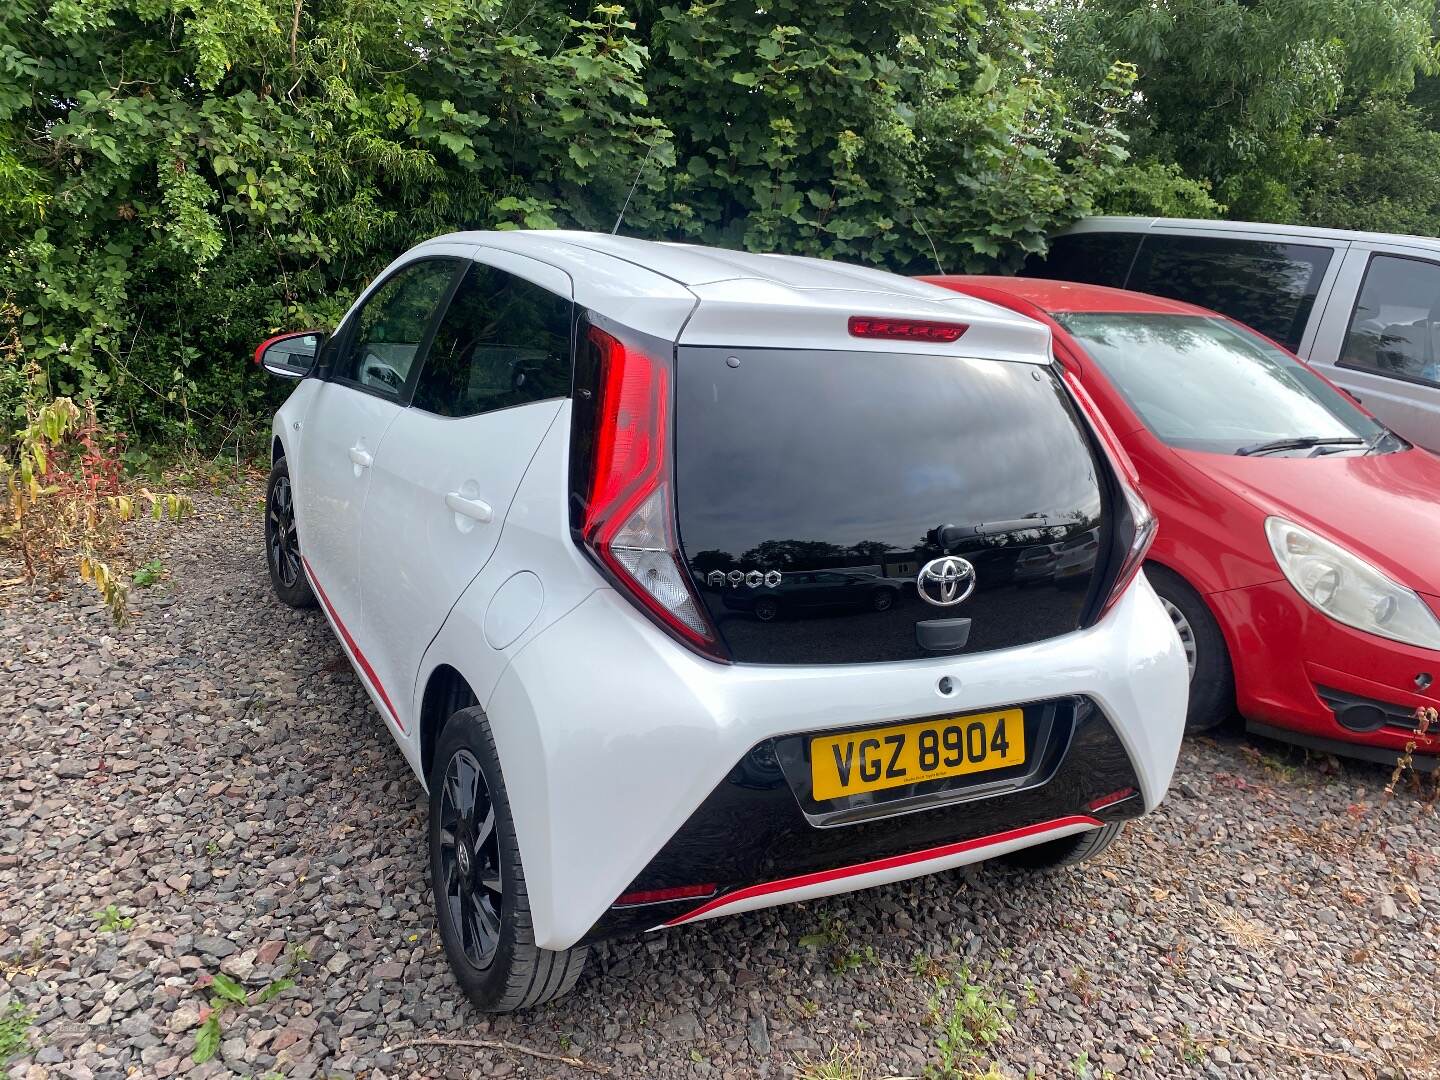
65 499
178 181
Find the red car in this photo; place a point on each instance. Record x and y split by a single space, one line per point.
1299 542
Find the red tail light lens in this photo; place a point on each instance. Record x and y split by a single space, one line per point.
874 326
628 521
1135 524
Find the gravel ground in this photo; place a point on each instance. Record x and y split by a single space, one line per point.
216 773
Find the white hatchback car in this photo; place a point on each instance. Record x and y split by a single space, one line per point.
686 581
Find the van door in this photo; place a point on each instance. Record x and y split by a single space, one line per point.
492 382
1380 338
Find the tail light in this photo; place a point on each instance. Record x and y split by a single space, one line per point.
1134 522
626 516
1134 533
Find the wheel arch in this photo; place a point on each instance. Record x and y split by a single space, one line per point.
1226 632
277 450
447 691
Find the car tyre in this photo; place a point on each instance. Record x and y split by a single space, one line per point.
1212 679
478 882
1067 851
282 543
766 609
882 600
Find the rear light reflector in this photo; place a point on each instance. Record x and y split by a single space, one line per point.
875 326
629 520
1111 799
660 896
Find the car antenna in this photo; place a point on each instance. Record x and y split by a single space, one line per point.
925 233
633 185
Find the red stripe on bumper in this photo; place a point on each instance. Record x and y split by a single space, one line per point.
350 645
821 876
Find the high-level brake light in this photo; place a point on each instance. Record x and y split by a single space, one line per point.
875 326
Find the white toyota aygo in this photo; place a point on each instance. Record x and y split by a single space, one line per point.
691 581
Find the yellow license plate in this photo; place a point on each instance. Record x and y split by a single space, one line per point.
914 753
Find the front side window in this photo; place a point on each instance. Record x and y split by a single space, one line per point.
1396 323
1269 286
390 327
1202 383
503 341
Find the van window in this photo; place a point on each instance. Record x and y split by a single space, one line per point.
1267 285
1396 322
1098 258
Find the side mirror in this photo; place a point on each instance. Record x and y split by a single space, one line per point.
291 356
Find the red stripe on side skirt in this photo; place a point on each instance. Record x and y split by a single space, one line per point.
894 861
349 643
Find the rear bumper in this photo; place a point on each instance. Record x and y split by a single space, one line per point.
1297 671
785 857
613 738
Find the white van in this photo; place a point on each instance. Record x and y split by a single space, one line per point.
1364 307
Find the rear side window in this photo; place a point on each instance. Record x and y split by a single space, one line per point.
390 327
1394 330
503 341
1270 286
1100 258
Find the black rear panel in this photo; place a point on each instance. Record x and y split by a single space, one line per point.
812 487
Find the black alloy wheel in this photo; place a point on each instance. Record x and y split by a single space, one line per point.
482 903
470 858
282 541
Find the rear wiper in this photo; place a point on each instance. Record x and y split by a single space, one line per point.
1303 442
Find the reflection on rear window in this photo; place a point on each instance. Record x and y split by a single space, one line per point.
1202 383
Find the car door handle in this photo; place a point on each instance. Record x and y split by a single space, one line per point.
360 456
475 509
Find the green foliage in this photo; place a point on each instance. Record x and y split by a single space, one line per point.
178 181
109 921
1378 169
894 133
1158 189
1233 92
149 574
971 1018
15 1022
229 994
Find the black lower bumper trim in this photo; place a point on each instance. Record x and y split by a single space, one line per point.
1380 755
752 829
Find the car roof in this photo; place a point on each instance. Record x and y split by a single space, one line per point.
1061 297
698 295
1211 227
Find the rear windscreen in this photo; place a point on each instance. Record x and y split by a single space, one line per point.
825 481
